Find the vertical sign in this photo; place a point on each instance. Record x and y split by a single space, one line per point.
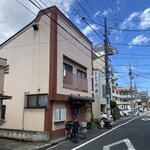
96 82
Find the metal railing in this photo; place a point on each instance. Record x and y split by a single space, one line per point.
75 82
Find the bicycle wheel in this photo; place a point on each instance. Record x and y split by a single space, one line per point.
75 138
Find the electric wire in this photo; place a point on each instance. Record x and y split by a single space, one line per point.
101 36
40 9
68 40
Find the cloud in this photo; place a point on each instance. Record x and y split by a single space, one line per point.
128 23
106 12
65 7
145 16
13 16
89 29
78 20
96 14
139 40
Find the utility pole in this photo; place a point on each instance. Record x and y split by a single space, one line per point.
107 69
135 95
131 90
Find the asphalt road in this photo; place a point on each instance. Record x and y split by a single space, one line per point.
130 135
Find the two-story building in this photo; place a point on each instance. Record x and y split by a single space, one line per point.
49 77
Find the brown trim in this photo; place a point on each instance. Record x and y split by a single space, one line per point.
57 134
55 11
52 72
61 97
53 56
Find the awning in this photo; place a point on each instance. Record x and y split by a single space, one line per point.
82 99
5 97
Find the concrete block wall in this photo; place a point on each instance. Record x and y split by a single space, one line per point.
24 135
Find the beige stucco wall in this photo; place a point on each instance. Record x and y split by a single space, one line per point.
28 57
96 108
35 116
69 47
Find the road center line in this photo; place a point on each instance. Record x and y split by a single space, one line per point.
103 134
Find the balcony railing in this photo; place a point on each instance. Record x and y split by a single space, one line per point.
75 82
125 96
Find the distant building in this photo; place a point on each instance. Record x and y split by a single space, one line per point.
115 92
126 99
142 98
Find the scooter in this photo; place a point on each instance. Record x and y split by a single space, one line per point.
104 123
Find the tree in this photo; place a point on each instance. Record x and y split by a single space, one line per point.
114 110
113 104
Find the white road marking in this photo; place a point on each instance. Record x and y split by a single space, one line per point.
126 141
145 119
103 134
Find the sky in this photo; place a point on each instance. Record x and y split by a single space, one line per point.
128 28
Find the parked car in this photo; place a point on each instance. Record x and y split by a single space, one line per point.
126 112
121 113
104 116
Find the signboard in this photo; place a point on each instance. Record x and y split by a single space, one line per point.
96 82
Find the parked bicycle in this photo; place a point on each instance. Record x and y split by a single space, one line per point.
75 131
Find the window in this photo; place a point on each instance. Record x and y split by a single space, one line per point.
37 101
59 114
66 68
81 74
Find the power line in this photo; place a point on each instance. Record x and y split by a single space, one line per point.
12 47
131 45
61 34
65 38
93 11
87 22
60 26
117 29
134 54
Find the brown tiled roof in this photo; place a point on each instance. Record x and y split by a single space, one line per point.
123 89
